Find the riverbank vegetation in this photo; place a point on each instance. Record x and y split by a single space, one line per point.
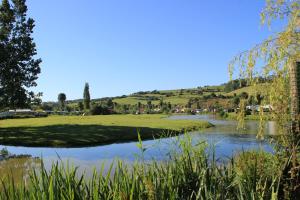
279 57
189 173
76 131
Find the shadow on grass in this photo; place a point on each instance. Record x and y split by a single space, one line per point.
76 135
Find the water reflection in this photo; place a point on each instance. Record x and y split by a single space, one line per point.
17 168
229 126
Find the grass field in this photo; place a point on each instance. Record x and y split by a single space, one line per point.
251 90
174 100
77 131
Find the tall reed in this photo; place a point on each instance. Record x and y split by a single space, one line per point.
190 173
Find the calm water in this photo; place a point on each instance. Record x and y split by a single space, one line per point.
223 136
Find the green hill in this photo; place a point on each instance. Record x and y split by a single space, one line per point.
204 97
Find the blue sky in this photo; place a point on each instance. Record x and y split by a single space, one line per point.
124 46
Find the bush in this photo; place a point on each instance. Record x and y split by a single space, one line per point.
96 110
223 114
4 152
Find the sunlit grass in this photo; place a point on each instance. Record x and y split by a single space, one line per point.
70 131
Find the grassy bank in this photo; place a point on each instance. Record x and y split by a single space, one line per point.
77 131
189 174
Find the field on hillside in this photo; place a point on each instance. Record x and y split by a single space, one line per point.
251 90
175 97
206 97
73 131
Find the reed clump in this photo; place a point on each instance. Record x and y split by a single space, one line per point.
189 173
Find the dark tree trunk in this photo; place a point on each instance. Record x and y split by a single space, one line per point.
290 184
295 100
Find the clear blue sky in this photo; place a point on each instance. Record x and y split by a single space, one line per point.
124 46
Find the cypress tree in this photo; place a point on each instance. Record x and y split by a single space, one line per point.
86 97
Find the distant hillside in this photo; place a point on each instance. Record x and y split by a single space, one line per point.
219 96
250 90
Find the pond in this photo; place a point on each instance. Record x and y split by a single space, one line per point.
223 136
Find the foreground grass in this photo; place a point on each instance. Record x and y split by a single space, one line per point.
78 131
188 174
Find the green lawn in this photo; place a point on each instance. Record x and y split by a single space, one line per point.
76 131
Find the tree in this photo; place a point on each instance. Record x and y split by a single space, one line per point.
47 107
110 103
149 105
181 92
80 106
139 106
198 105
169 106
236 101
189 104
86 97
37 99
61 100
161 102
244 95
251 100
279 55
125 108
259 98
19 67
96 110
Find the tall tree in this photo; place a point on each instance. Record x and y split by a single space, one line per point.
62 100
86 97
18 67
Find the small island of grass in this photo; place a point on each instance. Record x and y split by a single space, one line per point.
80 131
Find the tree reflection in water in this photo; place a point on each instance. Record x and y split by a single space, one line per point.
17 169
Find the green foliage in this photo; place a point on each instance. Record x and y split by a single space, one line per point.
110 103
4 152
234 85
236 101
80 106
62 100
189 173
86 97
100 110
251 165
279 55
223 114
19 67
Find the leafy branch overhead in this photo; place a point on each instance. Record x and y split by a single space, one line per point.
19 65
273 57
